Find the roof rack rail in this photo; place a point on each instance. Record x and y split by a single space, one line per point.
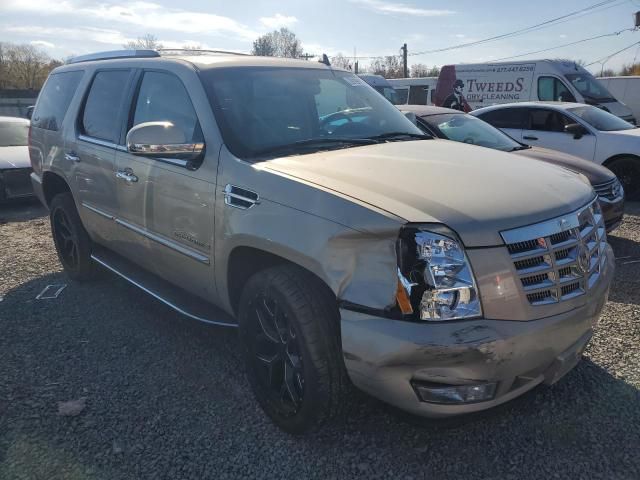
198 51
113 54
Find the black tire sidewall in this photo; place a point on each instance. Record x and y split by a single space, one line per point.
615 166
312 344
84 269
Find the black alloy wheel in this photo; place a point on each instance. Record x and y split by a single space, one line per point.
276 352
65 239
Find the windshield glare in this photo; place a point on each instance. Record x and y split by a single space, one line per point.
258 108
464 128
590 88
13 134
600 120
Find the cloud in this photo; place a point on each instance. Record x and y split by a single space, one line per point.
387 8
562 35
145 15
88 34
42 43
278 21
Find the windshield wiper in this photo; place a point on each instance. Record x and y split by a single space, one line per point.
400 136
316 143
520 147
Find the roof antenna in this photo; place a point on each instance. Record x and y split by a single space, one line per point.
325 60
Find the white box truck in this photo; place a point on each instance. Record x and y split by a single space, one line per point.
469 86
626 90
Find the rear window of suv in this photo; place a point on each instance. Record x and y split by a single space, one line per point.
54 100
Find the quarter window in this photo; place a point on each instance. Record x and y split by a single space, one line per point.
54 100
163 98
103 107
551 89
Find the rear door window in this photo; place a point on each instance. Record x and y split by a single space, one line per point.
505 118
163 98
54 100
102 113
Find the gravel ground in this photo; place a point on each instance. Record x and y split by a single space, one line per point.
166 398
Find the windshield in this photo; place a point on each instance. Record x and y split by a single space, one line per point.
13 134
600 120
590 88
464 128
260 109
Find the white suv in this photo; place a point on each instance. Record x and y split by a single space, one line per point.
581 130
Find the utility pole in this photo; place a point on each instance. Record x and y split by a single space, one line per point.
404 60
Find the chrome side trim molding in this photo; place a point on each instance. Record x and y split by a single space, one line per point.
160 298
102 143
152 236
163 241
98 211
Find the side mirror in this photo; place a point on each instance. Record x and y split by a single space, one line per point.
30 111
162 139
575 129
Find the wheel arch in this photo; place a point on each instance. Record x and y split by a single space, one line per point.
245 261
52 185
613 158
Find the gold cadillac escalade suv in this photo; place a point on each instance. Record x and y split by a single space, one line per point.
290 200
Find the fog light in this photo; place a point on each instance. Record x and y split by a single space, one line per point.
455 394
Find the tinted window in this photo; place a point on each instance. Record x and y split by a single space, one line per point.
553 90
163 98
13 134
259 109
403 95
505 118
590 88
54 100
103 107
547 120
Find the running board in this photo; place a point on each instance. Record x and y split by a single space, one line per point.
182 302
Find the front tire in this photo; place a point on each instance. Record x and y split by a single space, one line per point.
627 169
289 331
72 241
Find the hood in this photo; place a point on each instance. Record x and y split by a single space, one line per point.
476 191
596 174
618 109
14 157
622 135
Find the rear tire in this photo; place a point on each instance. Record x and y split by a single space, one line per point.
627 169
72 241
289 332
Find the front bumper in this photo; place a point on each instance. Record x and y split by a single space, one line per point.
384 357
612 211
15 184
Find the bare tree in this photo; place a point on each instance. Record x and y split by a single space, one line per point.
607 72
422 70
279 43
340 61
147 42
388 67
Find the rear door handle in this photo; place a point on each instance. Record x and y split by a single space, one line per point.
72 157
527 137
127 176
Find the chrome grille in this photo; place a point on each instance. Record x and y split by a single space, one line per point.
609 191
559 259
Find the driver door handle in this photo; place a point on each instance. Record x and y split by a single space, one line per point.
529 137
72 157
126 175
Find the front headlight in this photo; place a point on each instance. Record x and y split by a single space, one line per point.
436 275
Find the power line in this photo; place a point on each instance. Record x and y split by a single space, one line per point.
609 57
612 34
516 32
552 22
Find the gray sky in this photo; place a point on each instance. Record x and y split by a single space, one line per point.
372 27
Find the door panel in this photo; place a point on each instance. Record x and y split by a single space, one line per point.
546 129
167 215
